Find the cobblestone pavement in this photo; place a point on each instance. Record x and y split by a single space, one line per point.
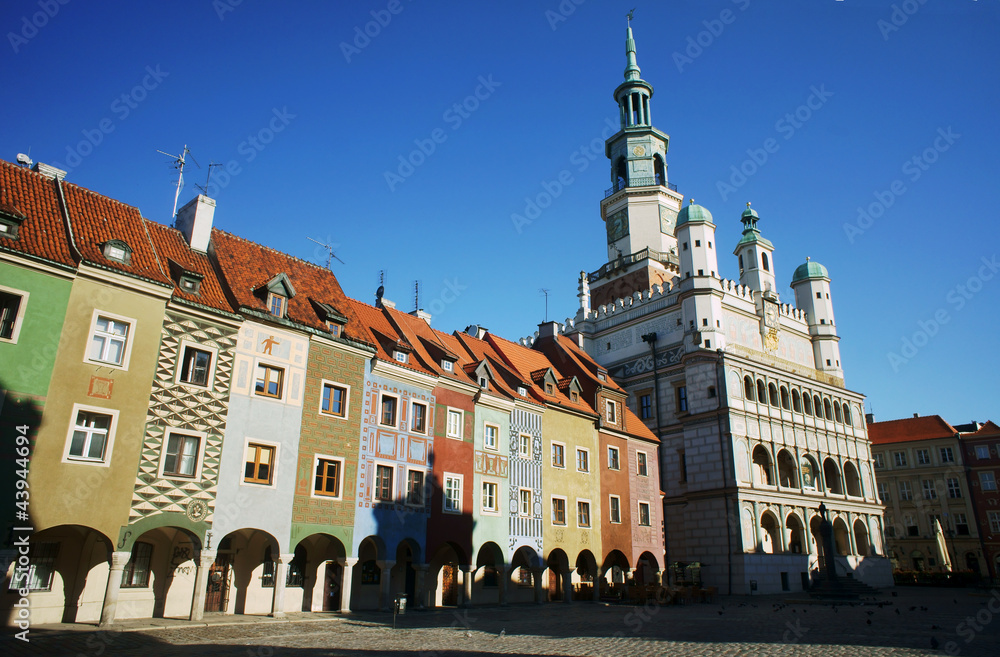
904 624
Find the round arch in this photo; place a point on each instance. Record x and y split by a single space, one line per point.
862 546
763 470
841 537
852 481
831 476
788 473
770 534
796 534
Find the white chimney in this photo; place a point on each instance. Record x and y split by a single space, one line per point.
194 220
49 171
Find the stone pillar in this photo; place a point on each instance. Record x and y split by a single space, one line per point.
503 579
385 587
419 591
567 576
118 561
596 593
536 580
468 574
203 562
783 528
280 574
346 578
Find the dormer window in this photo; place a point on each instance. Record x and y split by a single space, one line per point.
118 251
10 224
550 389
521 390
190 285
276 304
447 366
333 328
602 375
400 356
484 383
574 396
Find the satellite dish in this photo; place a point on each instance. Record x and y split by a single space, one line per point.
473 330
24 159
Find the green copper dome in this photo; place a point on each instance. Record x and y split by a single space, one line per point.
809 269
749 212
691 213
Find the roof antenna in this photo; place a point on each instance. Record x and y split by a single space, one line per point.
179 162
330 255
380 292
546 293
208 178
416 295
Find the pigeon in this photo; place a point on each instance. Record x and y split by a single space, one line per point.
869 621
894 594
897 612
935 627
934 643
913 608
468 634
954 600
869 612
503 632
720 613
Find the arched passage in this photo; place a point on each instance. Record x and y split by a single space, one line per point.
444 575
403 574
770 535
614 572
861 544
366 581
763 472
245 567
851 479
841 537
321 571
796 534
788 476
810 473
557 565
524 566
586 575
831 476
647 571
487 582
159 578
659 170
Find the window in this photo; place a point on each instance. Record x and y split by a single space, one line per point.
259 467
640 464
38 575
682 460
961 524
400 356
387 416
334 400
418 423
327 482
784 397
524 446
490 433
490 497
987 481
11 305
954 489
610 411
613 462
90 437
454 423
574 396
267 574
748 388
558 510
711 391
878 460
118 251
796 401
296 574
180 459
415 487
817 406
558 455
334 329
109 341
912 529
807 404
549 389
883 493
994 521
682 398
452 493
645 406
196 365
644 514
524 502
484 383
582 460
763 259
761 392
904 491
900 458
947 455
982 451
269 381
582 514
772 394
276 304
923 457
930 492
383 483
447 366
615 509
136 572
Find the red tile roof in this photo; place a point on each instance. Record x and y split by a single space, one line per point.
988 429
243 264
928 427
532 365
171 246
385 337
31 195
506 380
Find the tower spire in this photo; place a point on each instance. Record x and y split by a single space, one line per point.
631 67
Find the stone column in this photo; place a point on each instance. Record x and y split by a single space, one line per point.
783 528
385 588
419 592
346 578
503 579
536 580
118 561
567 576
203 562
468 574
596 593
280 574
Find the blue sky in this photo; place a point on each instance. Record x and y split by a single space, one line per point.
310 117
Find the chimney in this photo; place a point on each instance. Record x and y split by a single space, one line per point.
869 418
422 314
916 415
49 171
477 331
194 220
548 329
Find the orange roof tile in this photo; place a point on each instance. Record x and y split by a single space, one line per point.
25 193
171 245
988 429
928 427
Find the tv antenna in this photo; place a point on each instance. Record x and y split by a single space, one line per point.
546 293
330 255
208 178
416 295
179 162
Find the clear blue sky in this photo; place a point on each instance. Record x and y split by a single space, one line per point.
336 118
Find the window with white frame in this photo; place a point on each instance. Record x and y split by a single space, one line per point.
490 502
180 455
447 366
961 524
582 460
610 411
905 492
613 459
525 502
452 493
640 464
415 487
41 567
923 457
276 304
334 399
135 575
994 517
615 509
982 451
91 436
259 461
270 381
490 433
388 407
930 492
582 513
644 519
878 460
947 455
954 488
12 305
558 455
883 492
384 489
110 340
454 423
987 481
558 510
196 365
418 417
401 357
328 473
900 459
524 446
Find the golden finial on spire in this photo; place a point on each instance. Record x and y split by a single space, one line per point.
748 204
691 201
